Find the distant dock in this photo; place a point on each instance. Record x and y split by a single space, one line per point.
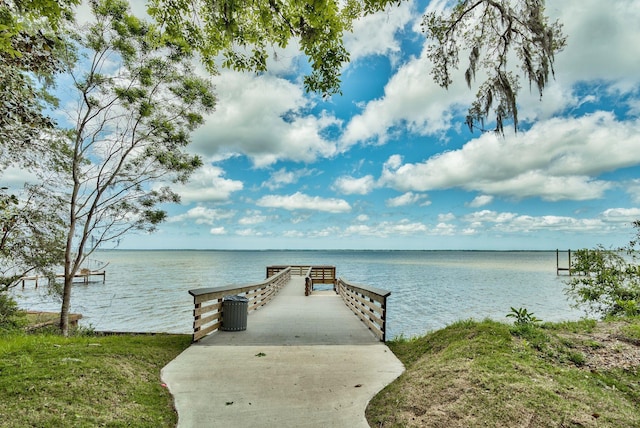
560 269
84 275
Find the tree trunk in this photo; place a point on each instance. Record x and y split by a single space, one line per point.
66 304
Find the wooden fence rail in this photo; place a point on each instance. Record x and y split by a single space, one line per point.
208 313
368 303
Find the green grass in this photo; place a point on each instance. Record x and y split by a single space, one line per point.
113 381
473 374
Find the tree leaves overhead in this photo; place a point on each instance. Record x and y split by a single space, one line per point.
244 32
29 59
503 39
496 34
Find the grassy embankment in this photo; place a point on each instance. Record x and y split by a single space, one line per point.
470 374
85 381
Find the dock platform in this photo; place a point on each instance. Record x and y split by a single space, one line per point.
303 361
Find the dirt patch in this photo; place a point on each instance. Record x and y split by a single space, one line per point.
607 347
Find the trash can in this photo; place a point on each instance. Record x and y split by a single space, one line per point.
234 313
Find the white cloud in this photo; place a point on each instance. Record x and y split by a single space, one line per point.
411 100
375 34
621 215
265 119
443 218
350 185
202 215
284 177
602 41
218 231
301 201
385 229
633 188
252 217
514 223
207 184
408 198
555 160
481 201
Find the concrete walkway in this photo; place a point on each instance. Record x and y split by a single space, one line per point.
302 362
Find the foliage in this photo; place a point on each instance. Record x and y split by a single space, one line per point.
492 32
522 316
137 101
10 315
243 31
605 282
86 381
31 240
30 49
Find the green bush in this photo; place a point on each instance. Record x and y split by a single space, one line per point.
11 316
606 282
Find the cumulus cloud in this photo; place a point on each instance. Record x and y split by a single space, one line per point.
515 223
375 34
252 217
207 184
411 100
350 185
388 228
556 160
621 215
284 177
301 201
217 231
633 189
481 201
202 215
266 119
408 198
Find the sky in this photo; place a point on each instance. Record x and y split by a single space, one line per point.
390 163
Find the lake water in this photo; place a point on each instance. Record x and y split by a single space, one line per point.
148 290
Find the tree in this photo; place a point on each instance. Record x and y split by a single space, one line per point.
29 60
492 31
137 101
489 31
607 282
30 236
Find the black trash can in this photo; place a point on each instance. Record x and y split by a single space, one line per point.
234 313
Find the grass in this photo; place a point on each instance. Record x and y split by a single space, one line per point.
113 381
471 374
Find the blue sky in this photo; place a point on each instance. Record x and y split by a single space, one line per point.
389 164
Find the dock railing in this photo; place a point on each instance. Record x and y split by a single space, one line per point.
368 303
208 314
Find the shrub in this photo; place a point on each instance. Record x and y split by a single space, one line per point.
607 283
10 315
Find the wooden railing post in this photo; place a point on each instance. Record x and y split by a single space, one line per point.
368 303
208 314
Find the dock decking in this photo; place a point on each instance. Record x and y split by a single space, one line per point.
303 361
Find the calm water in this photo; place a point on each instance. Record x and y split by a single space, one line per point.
148 290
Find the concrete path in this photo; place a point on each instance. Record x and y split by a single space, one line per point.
302 362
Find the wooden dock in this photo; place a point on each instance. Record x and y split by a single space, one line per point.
369 304
303 360
85 277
